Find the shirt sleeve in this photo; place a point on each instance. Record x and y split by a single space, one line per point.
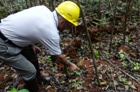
49 35
51 41
53 46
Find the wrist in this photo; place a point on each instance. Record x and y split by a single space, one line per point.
68 63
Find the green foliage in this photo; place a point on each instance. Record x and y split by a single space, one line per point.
111 84
48 58
23 90
76 72
76 83
107 54
122 54
126 82
11 6
138 78
15 90
127 39
3 10
96 53
104 21
123 80
136 66
124 63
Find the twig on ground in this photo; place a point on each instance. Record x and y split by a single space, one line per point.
123 71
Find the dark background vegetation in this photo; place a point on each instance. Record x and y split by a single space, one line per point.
114 30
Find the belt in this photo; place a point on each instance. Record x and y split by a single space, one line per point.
6 40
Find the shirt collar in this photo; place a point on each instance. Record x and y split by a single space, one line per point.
55 17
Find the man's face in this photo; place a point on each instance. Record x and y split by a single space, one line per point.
65 25
68 25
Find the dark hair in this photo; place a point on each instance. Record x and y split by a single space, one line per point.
58 15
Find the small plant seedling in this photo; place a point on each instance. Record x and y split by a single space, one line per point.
76 83
136 66
122 54
76 72
96 53
123 80
48 58
15 90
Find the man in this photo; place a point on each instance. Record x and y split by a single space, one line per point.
18 32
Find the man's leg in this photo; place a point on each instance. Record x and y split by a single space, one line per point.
12 57
32 57
29 53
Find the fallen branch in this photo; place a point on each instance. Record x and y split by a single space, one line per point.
123 72
115 89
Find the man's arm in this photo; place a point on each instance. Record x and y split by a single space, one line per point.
62 59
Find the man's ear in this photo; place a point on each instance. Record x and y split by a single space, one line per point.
61 24
62 20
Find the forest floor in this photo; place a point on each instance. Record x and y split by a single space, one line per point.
119 70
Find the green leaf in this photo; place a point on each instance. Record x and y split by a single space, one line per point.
136 66
76 72
122 56
122 80
48 58
96 53
111 84
4 14
14 90
23 90
124 64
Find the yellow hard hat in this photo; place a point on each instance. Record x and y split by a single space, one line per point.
69 11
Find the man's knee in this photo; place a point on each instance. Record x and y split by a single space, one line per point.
30 74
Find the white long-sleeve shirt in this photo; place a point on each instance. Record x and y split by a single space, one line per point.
34 25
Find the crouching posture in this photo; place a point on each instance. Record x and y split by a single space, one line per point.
20 31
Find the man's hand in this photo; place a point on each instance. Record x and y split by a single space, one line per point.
72 67
36 49
62 60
